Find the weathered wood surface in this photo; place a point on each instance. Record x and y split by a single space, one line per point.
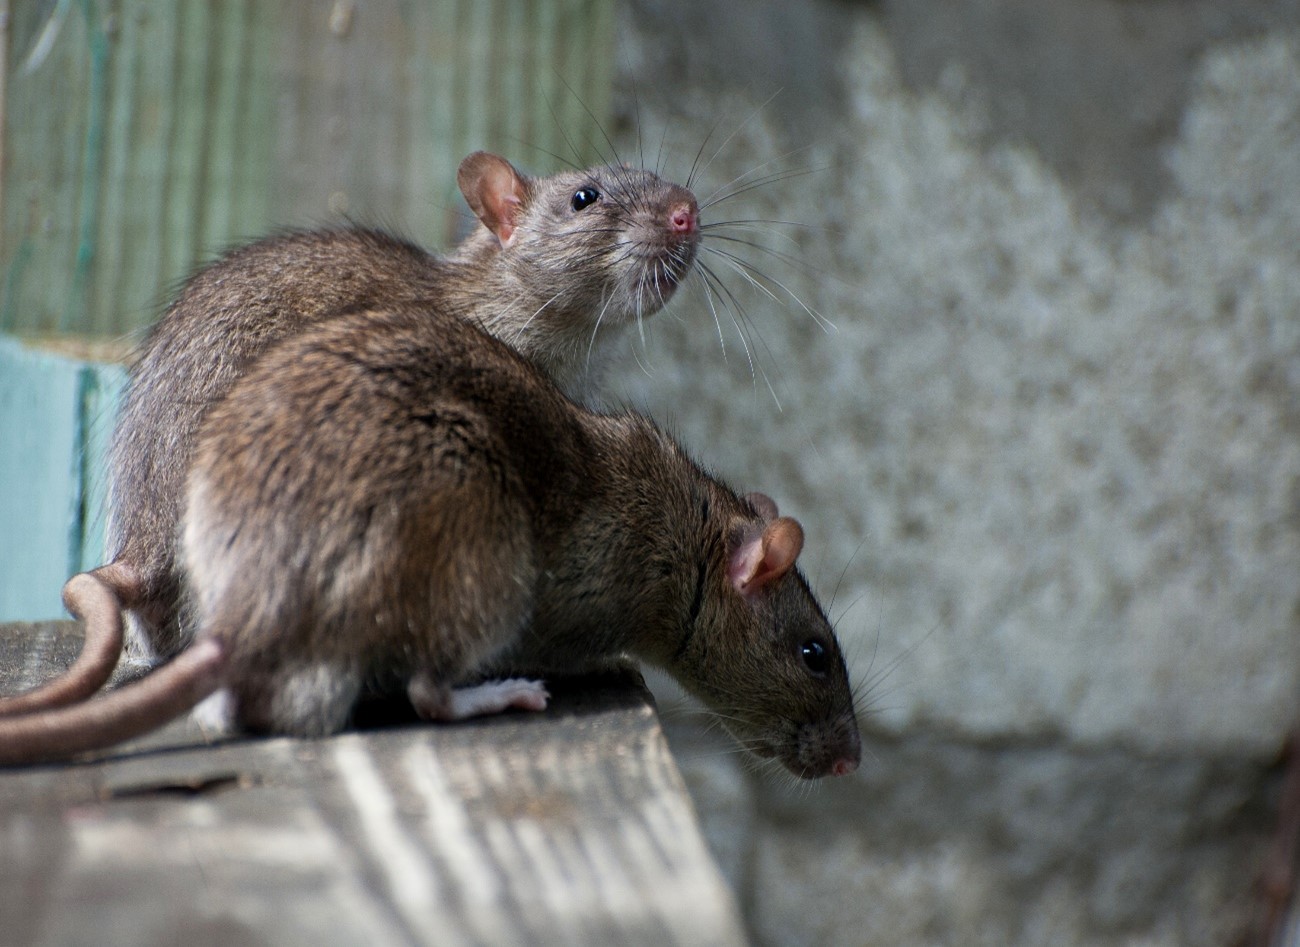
140 138
571 827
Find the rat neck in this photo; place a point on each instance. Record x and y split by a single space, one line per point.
533 311
642 544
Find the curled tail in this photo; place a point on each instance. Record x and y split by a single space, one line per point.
97 598
125 713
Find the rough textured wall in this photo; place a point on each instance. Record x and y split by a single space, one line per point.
1052 444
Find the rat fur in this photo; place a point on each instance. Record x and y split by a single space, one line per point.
394 500
559 269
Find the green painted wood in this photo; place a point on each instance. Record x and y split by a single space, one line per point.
140 138
55 416
147 136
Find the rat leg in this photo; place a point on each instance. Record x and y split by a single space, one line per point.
434 701
307 700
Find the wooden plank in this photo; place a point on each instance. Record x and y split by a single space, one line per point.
182 128
569 827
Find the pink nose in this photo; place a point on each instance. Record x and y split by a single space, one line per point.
843 766
683 220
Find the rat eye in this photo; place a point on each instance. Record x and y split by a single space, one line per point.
584 197
814 656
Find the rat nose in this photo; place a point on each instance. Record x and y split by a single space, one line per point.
684 219
843 766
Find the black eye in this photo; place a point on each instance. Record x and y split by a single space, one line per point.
584 197
814 656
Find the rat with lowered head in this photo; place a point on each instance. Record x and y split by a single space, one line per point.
560 268
394 500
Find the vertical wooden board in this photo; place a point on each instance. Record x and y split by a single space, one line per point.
257 176
437 214
181 128
185 175
131 253
40 472
43 150
101 388
224 138
474 28
109 232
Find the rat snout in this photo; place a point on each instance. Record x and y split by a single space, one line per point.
847 761
831 748
682 213
684 220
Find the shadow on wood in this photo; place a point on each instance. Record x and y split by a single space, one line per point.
569 827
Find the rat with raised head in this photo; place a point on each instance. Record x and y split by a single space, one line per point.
393 500
560 268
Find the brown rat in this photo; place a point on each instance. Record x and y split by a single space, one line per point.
395 500
560 268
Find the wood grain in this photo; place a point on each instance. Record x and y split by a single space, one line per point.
147 137
569 827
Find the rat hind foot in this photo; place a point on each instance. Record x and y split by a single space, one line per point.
433 702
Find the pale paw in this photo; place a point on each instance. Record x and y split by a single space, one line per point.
490 697
215 714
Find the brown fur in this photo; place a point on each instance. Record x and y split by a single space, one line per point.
562 272
393 495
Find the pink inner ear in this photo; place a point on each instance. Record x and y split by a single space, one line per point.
763 559
495 191
505 206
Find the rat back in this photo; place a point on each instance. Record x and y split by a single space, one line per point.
227 315
363 509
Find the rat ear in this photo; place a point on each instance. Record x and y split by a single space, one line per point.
495 191
763 505
762 558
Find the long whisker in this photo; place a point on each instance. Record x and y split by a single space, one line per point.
739 185
748 118
596 121
750 272
595 329
729 303
529 321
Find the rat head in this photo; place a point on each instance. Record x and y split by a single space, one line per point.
765 657
608 244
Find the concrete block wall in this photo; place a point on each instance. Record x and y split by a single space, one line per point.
1052 445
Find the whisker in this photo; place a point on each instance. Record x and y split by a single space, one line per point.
748 118
529 321
595 329
734 310
844 572
730 303
741 185
753 275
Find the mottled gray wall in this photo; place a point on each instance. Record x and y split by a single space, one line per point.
1052 443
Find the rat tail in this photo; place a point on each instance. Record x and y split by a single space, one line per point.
125 713
97 598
